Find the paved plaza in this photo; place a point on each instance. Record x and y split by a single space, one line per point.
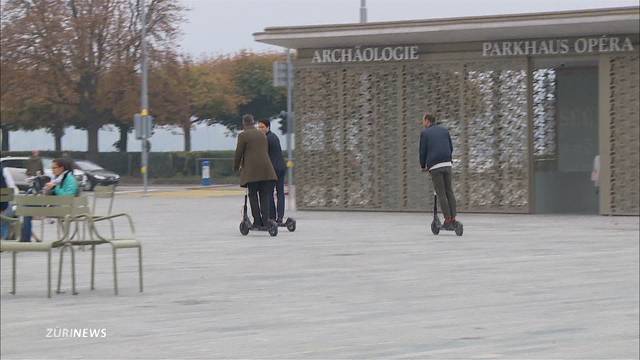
345 285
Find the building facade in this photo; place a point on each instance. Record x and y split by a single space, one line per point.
534 103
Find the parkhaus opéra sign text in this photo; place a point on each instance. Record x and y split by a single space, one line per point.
365 54
584 45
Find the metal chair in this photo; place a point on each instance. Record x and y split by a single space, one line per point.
90 220
108 194
64 208
7 195
95 238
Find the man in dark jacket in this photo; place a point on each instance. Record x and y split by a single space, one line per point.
275 154
256 172
436 149
4 227
3 185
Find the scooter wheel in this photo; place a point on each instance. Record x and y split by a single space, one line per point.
459 228
435 229
290 224
244 229
273 230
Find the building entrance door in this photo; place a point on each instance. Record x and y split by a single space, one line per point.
569 127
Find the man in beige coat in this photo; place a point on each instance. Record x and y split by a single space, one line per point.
256 171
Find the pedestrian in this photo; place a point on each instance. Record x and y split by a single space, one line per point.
5 208
34 164
64 183
436 151
256 172
595 173
275 154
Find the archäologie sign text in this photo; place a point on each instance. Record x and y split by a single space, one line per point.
365 54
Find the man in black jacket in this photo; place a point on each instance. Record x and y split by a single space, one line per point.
275 153
435 157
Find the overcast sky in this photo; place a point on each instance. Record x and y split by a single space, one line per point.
226 26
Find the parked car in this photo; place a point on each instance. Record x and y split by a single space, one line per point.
14 162
18 170
96 174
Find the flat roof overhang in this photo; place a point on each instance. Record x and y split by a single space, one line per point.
624 20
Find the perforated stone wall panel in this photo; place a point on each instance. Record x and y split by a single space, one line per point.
358 129
624 135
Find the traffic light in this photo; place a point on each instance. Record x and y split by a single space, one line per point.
283 121
143 125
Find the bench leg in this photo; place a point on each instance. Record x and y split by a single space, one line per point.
13 272
49 273
93 266
60 269
73 271
115 272
140 265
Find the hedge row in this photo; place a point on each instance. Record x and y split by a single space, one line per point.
161 164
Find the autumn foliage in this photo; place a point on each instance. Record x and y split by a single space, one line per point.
77 63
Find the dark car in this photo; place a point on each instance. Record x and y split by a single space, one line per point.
96 175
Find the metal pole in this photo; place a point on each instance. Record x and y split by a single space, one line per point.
144 99
363 11
289 122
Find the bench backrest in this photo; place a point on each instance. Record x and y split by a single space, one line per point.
51 206
6 194
103 192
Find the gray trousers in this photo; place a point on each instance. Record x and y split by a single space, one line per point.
441 178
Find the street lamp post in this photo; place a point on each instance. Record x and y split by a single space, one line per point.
289 122
144 100
363 11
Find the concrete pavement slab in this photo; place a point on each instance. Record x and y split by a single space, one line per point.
344 285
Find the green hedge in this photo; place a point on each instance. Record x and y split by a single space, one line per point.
161 164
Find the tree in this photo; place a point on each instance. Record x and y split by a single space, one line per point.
119 98
253 79
217 90
24 102
184 92
78 41
169 95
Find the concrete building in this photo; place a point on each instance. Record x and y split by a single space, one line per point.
532 101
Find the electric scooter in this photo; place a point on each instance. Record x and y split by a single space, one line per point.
437 225
290 224
246 225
